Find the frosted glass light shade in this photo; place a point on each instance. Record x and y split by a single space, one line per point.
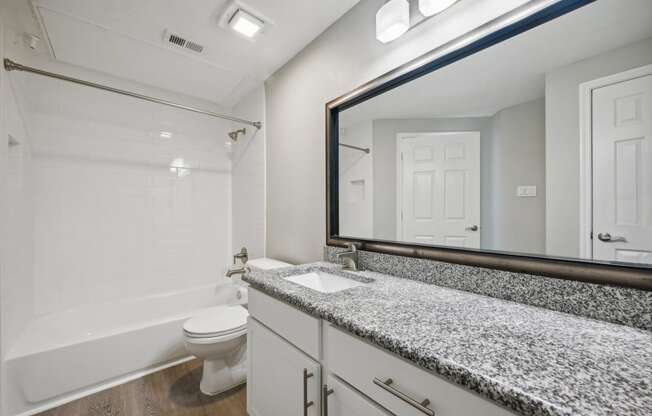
432 7
392 20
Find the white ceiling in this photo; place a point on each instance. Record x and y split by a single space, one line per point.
512 72
124 38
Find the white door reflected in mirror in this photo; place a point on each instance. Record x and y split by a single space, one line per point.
622 171
439 188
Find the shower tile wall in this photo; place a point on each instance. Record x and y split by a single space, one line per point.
249 178
119 211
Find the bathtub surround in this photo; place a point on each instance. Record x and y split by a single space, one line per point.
618 305
533 361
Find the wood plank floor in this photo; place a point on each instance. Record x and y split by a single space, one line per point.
170 392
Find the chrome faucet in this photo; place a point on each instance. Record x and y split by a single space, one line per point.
243 256
238 270
350 257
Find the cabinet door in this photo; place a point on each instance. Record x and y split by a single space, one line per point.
342 400
282 379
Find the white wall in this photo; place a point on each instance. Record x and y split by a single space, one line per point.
562 140
248 185
517 149
3 210
16 214
18 281
343 57
357 181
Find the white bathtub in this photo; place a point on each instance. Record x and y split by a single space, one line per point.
63 356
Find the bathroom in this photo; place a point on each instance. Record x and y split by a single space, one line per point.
357 207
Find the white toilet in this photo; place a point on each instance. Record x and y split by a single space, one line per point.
218 335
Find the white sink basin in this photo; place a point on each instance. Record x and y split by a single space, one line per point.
324 282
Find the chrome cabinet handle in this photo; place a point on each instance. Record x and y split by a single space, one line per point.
472 228
421 406
607 238
306 403
325 393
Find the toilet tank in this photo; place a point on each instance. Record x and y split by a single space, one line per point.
265 263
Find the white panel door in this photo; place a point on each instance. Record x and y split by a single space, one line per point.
439 188
343 400
275 384
622 171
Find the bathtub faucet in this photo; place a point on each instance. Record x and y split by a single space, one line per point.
239 270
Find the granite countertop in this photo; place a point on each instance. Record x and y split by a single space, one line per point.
531 360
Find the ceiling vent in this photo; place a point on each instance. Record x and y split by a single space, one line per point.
176 40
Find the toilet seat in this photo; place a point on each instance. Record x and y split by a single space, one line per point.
216 322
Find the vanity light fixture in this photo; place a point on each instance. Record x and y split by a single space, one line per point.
392 20
165 134
246 24
432 7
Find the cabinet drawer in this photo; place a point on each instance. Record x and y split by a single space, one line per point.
342 400
360 363
297 327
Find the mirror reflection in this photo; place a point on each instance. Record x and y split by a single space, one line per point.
541 144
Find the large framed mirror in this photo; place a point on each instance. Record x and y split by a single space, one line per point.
525 145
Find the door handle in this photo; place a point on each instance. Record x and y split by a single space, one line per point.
421 406
306 403
325 393
472 228
607 238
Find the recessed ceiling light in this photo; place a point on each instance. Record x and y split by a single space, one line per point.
392 20
432 7
166 134
246 24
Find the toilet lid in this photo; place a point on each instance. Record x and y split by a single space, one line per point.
217 320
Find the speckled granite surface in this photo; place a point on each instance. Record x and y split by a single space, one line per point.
534 361
619 305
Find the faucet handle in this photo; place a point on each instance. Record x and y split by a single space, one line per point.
243 256
352 246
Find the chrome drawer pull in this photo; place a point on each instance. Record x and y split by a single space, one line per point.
306 403
325 393
387 385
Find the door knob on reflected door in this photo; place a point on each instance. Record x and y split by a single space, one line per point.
607 238
472 228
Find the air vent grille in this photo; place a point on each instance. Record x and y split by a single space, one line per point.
180 41
194 46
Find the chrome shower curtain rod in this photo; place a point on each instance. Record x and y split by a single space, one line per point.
14 66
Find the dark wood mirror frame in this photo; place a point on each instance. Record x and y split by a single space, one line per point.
518 21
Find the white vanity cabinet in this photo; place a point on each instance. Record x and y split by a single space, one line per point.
345 376
282 379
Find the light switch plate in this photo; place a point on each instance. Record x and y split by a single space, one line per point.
526 191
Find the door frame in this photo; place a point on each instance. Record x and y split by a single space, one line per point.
399 172
586 150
